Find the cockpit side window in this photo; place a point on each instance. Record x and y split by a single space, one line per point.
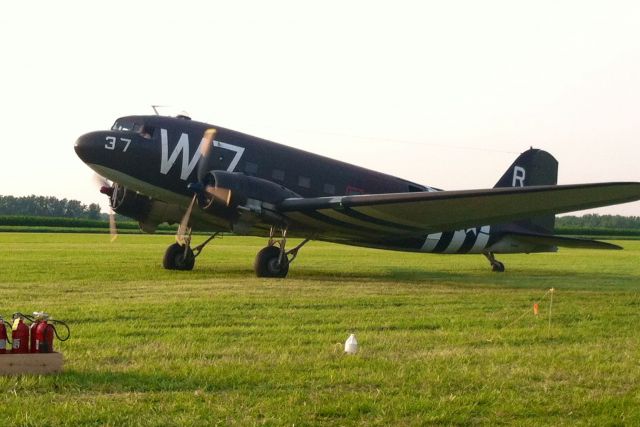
123 125
147 131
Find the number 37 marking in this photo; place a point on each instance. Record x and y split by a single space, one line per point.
111 143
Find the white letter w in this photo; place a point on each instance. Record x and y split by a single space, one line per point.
181 146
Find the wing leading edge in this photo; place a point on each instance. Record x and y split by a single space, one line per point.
413 214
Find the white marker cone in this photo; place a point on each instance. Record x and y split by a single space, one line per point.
351 345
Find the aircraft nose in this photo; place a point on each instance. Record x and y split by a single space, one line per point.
87 146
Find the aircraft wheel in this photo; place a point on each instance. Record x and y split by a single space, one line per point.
498 267
267 263
175 259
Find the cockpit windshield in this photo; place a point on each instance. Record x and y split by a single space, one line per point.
121 124
128 125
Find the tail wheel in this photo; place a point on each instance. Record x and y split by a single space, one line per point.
498 267
175 258
268 263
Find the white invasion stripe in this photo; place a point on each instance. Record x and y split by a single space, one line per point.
482 240
456 242
430 242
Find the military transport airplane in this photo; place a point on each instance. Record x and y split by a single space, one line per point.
161 167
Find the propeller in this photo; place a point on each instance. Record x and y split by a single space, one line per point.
206 148
106 188
201 187
101 182
218 194
182 235
113 230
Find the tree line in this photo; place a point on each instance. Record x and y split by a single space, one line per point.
48 206
599 221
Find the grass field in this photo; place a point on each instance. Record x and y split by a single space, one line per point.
443 340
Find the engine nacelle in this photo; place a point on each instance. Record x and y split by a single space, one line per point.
243 199
130 203
147 211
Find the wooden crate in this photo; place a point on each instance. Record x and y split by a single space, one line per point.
30 363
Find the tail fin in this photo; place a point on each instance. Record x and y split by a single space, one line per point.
533 167
536 167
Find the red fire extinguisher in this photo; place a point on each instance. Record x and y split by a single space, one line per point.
43 332
19 335
44 336
35 321
3 336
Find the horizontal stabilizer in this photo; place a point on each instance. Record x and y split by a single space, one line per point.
565 242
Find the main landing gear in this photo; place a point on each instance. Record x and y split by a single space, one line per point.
271 261
182 256
274 260
496 265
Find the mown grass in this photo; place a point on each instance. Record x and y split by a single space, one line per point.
443 340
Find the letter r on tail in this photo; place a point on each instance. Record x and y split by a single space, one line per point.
519 174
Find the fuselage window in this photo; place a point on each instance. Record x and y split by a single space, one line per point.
329 189
304 182
278 175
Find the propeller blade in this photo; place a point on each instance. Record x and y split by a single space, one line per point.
219 195
206 150
100 181
113 231
183 229
106 188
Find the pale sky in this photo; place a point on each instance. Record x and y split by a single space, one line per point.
445 93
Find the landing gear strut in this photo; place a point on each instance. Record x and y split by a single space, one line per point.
274 260
496 265
180 256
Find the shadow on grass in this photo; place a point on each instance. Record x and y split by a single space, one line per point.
517 278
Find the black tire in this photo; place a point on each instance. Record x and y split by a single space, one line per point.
498 267
266 263
175 259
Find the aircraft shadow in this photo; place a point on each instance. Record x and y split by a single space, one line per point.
517 278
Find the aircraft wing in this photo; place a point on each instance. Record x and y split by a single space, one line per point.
412 214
